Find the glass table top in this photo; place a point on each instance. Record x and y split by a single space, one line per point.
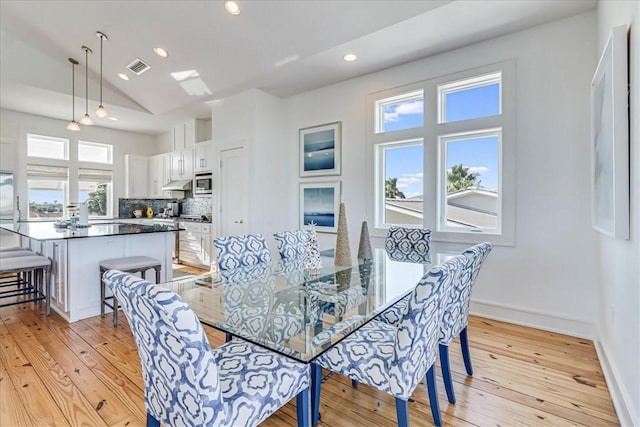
298 313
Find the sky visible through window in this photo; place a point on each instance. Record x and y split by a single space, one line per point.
480 155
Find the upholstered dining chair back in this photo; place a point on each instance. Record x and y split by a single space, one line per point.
418 330
456 311
291 244
179 370
241 251
408 243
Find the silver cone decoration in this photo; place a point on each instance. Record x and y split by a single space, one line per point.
364 249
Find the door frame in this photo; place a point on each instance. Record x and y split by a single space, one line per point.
233 145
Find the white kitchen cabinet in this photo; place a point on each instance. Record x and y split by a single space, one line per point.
181 164
159 176
186 134
136 176
195 244
203 157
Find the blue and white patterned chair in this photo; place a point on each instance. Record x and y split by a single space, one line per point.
291 244
408 244
241 251
392 358
456 315
186 382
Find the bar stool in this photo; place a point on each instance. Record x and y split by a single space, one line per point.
132 264
40 266
15 252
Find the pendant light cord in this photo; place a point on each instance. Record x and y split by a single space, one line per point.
86 81
101 40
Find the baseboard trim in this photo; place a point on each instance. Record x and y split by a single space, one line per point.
533 319
619 396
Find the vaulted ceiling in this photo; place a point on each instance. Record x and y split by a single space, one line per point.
281 47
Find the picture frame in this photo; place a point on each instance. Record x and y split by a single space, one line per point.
610 139
321 150
320 203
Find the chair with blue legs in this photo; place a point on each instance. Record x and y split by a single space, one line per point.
408 243
394 358
456 315
186 382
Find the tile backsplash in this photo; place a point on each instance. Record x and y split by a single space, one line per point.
190 206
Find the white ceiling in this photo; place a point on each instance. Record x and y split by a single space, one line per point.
281 47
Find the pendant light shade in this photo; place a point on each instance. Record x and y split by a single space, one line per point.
86 120
73 125
101 112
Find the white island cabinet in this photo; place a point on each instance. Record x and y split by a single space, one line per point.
76 255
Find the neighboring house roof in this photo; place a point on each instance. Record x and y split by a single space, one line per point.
472 207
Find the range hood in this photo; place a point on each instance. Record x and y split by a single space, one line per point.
179 185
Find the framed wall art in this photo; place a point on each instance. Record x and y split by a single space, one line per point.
610 139
320 150
319 203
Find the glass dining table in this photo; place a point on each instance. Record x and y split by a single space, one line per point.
300 313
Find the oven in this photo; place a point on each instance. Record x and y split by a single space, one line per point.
203 185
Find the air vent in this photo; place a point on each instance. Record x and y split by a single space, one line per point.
138 66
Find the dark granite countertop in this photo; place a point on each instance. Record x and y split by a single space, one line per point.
46 230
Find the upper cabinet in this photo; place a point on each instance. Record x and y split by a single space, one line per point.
203 157
159 176
181 165
136 175
185 135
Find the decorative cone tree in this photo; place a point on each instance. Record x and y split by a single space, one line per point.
364 249
343 251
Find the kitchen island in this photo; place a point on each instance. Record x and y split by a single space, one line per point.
77 252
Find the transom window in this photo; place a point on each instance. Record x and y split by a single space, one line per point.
47 147
470 98
405 111
95 152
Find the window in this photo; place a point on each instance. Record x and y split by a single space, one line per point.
47 192
444 156
470 176
94 187
405 111
47 147
401 176
95 152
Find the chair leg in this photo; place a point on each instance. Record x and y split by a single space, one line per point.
402 412
47 289
446 373
115 311
102 294
228 337
302 408
466 355
151 421
354 383
158 275
432 388
316 383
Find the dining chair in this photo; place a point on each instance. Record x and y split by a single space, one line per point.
456 315
291 244
409 242
394 358
241 251
189 383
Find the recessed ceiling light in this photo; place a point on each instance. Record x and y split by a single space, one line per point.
123 76
160 52
232 7
115 119
350 57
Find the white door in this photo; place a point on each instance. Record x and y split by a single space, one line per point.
233 192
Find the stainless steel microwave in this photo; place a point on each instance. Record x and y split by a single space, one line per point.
203 184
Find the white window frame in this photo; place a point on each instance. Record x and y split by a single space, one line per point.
109 148
465 84
65 197
442 179
380 173
64 141
396 99
430 133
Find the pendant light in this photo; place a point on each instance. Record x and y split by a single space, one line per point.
73 125
101 112
86 120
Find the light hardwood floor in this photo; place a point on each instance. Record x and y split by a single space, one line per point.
88 373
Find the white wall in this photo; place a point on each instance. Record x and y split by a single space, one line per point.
544 280
14 126
619 260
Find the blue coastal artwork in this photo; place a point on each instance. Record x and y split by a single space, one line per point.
319 205
319 150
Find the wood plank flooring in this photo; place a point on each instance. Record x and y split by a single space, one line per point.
88 373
